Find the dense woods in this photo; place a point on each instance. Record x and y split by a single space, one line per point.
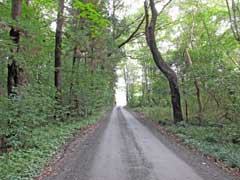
32 95
197 43
179 60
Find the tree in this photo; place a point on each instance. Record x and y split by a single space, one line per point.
196 81
13 68
161 64
234 13
58 46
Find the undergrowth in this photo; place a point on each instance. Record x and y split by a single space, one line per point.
24 164
214 141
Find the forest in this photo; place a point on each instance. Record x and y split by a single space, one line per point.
177 62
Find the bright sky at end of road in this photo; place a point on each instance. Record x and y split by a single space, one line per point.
120 94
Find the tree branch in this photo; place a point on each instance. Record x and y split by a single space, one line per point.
164 7
133 34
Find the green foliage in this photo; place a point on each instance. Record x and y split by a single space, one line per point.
45 141
158 113
213 141
24 113
88 11
214 52
87 84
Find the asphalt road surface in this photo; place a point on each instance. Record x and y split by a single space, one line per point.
124 148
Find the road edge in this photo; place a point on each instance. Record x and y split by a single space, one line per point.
80 136
191 156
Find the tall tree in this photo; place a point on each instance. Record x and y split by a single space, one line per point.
58 45
196 81
13 69
160 62
234 13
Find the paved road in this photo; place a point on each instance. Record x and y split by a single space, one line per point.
125 149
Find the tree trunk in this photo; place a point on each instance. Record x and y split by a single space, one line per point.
185 100
186 110
175 99
72 73
1 90
233 13
13 75
196 82
58 46
161 64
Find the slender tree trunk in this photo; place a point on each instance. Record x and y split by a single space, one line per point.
186 110
16 9
1 90
58 46
76 53
13 75
233 13
72 73
197 87
185 101
161 64
196 82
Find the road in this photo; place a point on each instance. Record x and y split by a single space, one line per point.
124 148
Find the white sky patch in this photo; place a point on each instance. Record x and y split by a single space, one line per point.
224 26
166 46
53 26
120 90
174 12
133 5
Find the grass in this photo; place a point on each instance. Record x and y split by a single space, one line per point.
24 164
221 142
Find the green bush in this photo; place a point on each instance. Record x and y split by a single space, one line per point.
21 114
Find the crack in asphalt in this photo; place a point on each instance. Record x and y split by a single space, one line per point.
138 166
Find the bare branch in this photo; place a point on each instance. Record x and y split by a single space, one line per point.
164 7
128 26
133 34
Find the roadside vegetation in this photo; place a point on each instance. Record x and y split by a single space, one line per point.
199 41
57 75
42 144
